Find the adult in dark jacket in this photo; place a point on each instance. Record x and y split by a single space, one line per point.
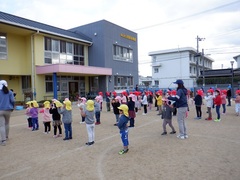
182 106
6 107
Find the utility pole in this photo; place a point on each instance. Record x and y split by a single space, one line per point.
197 63
203 72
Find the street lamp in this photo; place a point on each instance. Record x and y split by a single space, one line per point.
232 88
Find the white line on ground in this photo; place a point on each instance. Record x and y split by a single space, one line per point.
15 172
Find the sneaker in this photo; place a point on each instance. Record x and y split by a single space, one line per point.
97 123
44 132
70 137
82 122
123 151
185 136
89 143
115 124
55 136
59 135
173 132
65 139
197 118
180 137
217 120
164 133
3 143
144 114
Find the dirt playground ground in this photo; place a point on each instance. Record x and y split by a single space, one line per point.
212 151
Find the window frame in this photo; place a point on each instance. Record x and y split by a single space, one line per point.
3 54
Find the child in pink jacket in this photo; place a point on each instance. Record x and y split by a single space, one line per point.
27 112
46 117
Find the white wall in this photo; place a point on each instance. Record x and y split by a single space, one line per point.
173 66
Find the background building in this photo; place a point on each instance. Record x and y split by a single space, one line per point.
113 47
40 61
182 63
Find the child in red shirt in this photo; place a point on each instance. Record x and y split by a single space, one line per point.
218 103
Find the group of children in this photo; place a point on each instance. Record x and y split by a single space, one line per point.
59 114
51 113
214 99
125 108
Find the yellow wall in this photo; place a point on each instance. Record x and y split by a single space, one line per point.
18 59
19 62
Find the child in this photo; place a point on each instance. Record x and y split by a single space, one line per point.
82 104
137 102
131 112
159 103
150 100
237 103
46 117
218 103
101 99
115 105
167 116
27 112
88 113
97 107
122 125
145 103
66 112
209 103
56 117
198 104
34 114
224 100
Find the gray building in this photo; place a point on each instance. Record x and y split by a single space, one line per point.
112 47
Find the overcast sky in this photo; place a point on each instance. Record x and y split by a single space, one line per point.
160 24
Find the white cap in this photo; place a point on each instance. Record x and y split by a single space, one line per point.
3 82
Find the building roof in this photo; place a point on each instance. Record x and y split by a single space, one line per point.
183 49
236 57
40 27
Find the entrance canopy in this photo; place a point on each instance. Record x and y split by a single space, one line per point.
73 69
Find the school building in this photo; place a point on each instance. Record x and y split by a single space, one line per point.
42 62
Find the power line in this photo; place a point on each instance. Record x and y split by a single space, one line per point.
186 17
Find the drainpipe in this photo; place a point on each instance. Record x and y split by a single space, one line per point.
55 85
33 66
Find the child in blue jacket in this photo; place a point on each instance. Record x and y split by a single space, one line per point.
123 127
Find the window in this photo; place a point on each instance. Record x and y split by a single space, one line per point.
3 46
63 52
78 54
154 58
48 44
122 53
155 70
26 82
123 82
62 46
156 83
190 69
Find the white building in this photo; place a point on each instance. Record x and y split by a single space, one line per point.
181 63
237 59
